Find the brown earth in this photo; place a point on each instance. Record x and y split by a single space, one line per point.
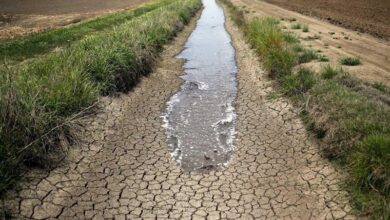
122 168
19 17
369 16
335 42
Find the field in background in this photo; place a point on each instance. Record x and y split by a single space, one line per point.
19 17
371 16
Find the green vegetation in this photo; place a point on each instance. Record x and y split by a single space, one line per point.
290 37
43 42
307 55
269 42
296 26
323 58
314 37
354 127
328 72
305 28
350 61
381 87
40 97
299 82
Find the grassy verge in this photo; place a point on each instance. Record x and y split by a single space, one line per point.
42 42
39 97
353 125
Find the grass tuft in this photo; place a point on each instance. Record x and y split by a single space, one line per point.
323 58
373 171
350 61
328 72
299 82
305 28
307 55
269 41
296 26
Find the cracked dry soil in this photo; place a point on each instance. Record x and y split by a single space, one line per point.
122 168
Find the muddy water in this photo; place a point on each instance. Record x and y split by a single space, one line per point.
200 118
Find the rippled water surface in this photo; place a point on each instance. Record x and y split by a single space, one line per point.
200 118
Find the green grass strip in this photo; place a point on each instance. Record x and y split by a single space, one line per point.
42 42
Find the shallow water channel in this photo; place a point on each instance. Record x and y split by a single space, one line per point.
200 118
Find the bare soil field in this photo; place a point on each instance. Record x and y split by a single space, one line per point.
19 17
368 16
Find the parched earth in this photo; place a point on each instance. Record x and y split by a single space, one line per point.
122 169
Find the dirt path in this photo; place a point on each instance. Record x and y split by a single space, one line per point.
122 168
374 53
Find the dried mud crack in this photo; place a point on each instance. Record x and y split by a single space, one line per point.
122 168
